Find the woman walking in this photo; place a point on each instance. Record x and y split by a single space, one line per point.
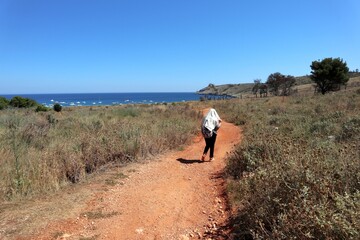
210 124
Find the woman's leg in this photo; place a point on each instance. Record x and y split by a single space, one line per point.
207 146
212 145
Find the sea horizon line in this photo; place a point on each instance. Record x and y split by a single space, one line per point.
93 93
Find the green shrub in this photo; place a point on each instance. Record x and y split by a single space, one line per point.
41 108
20 102
4 103
128 111
51 119
57 107
351 130
322 128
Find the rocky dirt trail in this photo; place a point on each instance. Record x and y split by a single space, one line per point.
175 196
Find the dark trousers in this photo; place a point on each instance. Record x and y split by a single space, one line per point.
210 143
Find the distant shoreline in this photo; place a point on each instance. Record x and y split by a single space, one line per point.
21 94
108 99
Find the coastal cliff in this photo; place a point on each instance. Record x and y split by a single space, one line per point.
302 83
242 89
233 90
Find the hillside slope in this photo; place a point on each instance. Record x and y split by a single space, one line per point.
245 89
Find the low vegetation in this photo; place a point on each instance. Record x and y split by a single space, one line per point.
57 107
20 102
42 151
296 174
42 108
4 103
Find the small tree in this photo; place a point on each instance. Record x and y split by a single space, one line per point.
329 74
256 87
263 90
4 103
280 84
274 81
57 107
260 87
287 84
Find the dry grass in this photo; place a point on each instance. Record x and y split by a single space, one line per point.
41 152
296 174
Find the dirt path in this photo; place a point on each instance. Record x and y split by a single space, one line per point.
174 197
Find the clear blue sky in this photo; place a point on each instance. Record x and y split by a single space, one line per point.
70 46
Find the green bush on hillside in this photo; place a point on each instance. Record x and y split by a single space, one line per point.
4 103
57 107
41 108
20 102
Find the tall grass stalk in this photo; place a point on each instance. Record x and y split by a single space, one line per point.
13 124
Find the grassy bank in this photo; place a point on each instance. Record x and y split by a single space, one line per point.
41 152
296 175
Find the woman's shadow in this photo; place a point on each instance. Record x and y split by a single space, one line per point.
189 161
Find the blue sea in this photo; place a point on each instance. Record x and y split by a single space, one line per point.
108 99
